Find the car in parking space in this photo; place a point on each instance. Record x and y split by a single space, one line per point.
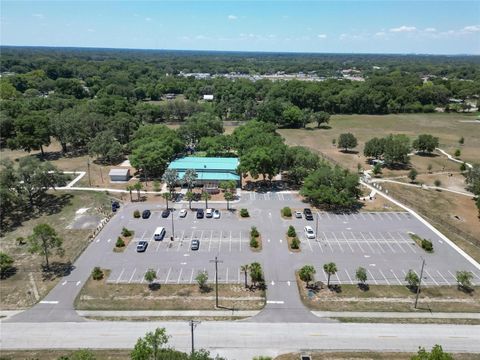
115 206
182 213
199 213
165 213
146 214
195 245
308 214
309 233
142 246
159 234
298 214
209 213
216 214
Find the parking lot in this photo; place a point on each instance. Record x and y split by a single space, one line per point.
379 242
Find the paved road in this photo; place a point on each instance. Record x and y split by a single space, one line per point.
242 340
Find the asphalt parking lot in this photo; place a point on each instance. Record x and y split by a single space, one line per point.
380 242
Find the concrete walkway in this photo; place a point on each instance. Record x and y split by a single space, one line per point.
451 158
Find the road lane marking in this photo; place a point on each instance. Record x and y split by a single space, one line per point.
63 283
275 302
378 242
349 278
335 236
179 275
398 243
191 276
387 242
388 283
391 270
226 277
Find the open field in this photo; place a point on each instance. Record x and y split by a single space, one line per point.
391 298
21 289
111 354
98 295
447 127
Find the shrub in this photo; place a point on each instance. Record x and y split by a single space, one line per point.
97 273
457 153
202 278
244 213
21 241
437 183
427 245
120 242
295 243
287 212
291 231
126 232
253 242
254 232
136 214
463 166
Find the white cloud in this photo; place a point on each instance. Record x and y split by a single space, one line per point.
200 37
148 19
232 17
91 30
472 28
343 36
381 33
430 29
40 16
322 36
404 28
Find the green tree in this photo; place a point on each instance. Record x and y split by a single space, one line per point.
150 347
330 269
228 196
201 125
464 279
138 186
437 353
83 354
347 141
153 156
396 149
32 132
190 177
425 143
170 177
320 117
457 153
437 183
412 174
299 162
206 196
472 179
374 148
97 273
245 268
167 196
106 147
256 273
130 188
461 141
412 279
202 278
150 276
377 169
292 118
228 185
190 196
361 275
43 240
6 264
307 273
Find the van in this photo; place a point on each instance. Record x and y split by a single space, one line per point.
159 233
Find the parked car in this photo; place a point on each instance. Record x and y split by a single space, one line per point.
199 213
308 214
165 213
209 213
159 234
146 214
182 213
115 206
195 244
298 214
142 246
309 233
216 214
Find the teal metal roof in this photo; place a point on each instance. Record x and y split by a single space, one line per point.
205 164
219 176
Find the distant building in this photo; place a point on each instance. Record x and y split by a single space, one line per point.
170 96
208 97
210 170
119 175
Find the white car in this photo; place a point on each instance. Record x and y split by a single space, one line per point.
309 233
182 213
209 213
298 214
216 214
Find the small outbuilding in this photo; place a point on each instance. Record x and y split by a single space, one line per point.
119 175
208 97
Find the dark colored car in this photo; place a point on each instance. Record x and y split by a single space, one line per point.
308 214
146 214
165 213
195 244
115 206
199 213
142 246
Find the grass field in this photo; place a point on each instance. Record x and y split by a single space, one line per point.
19 290
99 295
365 356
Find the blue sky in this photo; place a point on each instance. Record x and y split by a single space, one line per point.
403 26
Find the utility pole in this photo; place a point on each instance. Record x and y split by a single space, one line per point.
419 283
88 169
173 227
193 325
216 261
316 227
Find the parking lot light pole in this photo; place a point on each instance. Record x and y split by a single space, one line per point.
419 283
216 261
173 227
316 227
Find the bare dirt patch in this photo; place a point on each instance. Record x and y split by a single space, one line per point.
364 356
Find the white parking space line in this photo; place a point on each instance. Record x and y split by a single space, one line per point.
348 242
354 216
338 279
398 217
397 242
328 215
431 277
240 249
179 275
388 216
387 242
120 276
453 276
378 242
131 277
328 242
226 277
373 278
371 216
363 217
168 275
359 243
388 283
408 241
320 245
308 241
191 277
474 273
349 278
393 272
443 277
341 248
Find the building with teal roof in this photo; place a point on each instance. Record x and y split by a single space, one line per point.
210 170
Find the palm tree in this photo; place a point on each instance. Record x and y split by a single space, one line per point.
244 269
206 196
138 186
256 273
130 189
330 269
190 196
190 177
306 273
167 196
228 197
